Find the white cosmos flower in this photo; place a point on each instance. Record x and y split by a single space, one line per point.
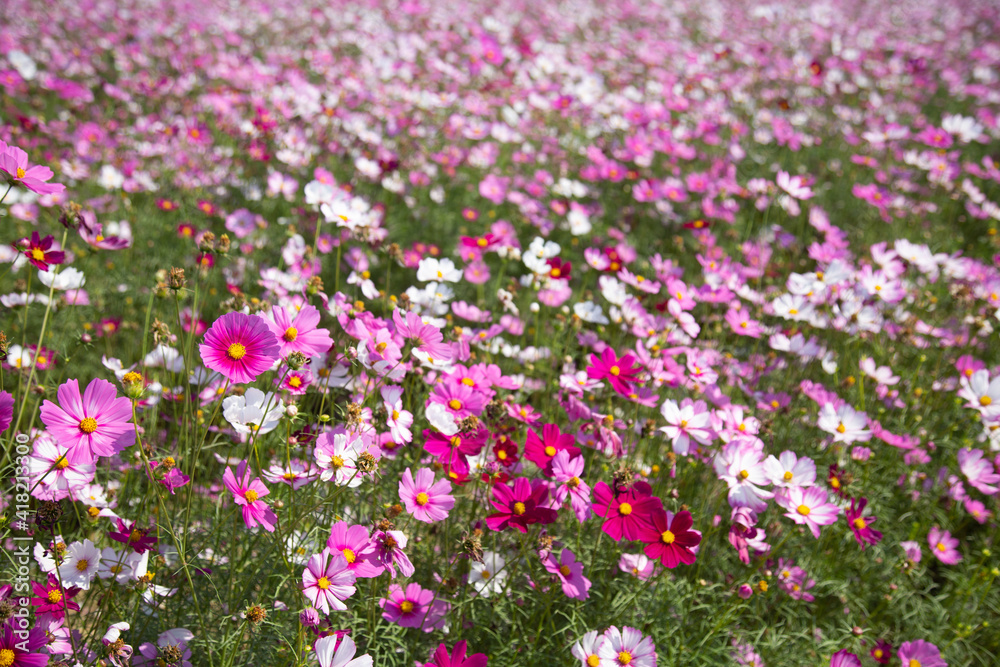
68 278
254 412
488 577
81 564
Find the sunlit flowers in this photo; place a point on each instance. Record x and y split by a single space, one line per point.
240 347
620 372
94 424
254 412
327 581
861 525
520 506
248 495
669 538
298 331
14 165
943 546
426 500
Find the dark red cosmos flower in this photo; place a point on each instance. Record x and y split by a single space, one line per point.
541 451
882 652
505 450
837 479
38 251
629 512
452 450
670 538
520 506
480 243
559 269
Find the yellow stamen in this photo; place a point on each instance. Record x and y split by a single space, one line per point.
624 509
323 583
667 537
519 509
803 510
291 333
250 495
236 352
88 425
423 498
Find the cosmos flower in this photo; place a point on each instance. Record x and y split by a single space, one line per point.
541 450
6 410
14 163
808 507
920 653
626 648
327 581
426 500
570 574
669 537
586 649
943 546
98 423
861 525
356 546
627 513
457 657
413 607
240 347
298 331
620 372
247 494
329 653
39 251
520 506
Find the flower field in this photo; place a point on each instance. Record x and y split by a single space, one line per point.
442 334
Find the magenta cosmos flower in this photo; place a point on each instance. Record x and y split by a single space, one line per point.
425 500
6 410
458 658
808 507
92 425
943 546
520 506
240 347
541 450
570 573
627 513
297 331
620 372
247 494
327 581
670 538
14 163
861 525
920 654
414 607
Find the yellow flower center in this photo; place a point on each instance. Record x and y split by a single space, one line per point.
295 382
250 495
941 546
395 415
236 352
793 311
455 404
744 474
37 254
555 273
337 462
573 482
624 509
841 428
834 482
93 512
775 405
593 660
54 596
564 570
486 574
860 524
323 583
349 556
878 653
82 565
7 655
423 498
406 606
985 400
380 348
62 463
787 476
614 370
502 455
625 658
88 425
291 333
914 662
519 509
550 451
667 537
455 441
134 536
803 510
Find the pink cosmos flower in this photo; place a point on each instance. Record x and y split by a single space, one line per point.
638 565
978 469
566 472
397 419
414 607
240 347
327 581
919 652
669 537
389 545
742 324
570 573
457 658
425 500
541 451
627 513
687 422
356 546
808 507
14 163
943 546
521 506
247 494
344 654
844 658
740 466
586 650
788 470
426 337
619 372
627 648
51 472
95 424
